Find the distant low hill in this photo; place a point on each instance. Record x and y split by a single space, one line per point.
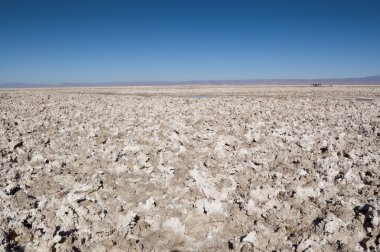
375 79
369 80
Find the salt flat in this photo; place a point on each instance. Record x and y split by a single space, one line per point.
192 168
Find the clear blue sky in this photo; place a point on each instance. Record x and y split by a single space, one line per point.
107 40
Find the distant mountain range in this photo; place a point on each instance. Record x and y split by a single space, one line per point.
369 80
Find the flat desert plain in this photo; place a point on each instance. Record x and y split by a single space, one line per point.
191 168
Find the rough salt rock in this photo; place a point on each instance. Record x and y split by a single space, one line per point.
174 225
149 168
209 206
119 169
123 221
250 237
148 205
332 223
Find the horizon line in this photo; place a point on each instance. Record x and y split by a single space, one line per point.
376 77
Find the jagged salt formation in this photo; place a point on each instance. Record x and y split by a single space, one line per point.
240 169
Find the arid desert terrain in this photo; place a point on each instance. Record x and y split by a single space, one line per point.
192 168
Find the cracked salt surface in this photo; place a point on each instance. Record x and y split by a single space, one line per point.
163 169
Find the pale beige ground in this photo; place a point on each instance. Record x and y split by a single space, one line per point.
198 168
